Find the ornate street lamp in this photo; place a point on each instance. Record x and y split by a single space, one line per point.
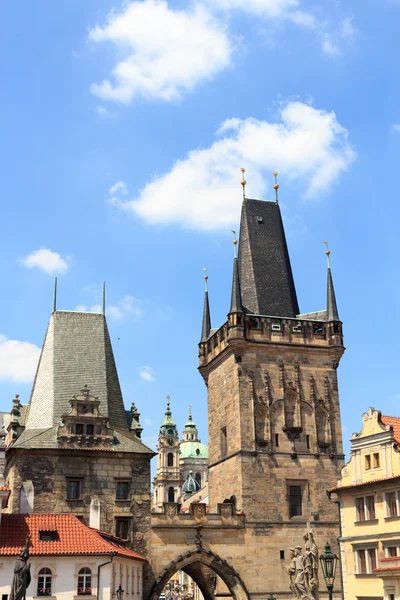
120 593
271 597
328 562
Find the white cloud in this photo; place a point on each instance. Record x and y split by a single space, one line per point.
50 262
201 190
119 186
18 360
128 305
396 127
162 53
265 8
102 111
146 373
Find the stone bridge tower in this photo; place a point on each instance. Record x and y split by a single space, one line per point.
275 444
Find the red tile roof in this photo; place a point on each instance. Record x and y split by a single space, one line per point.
395 423
4 489
73 537
354 485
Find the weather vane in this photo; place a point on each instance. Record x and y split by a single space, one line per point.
276 185
206 277
234 243
328 252
243 182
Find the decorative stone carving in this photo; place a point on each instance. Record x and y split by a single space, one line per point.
171 509
303 569
267 389
198 510
297 376
281 375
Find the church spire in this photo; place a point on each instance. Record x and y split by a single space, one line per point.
331 306
236 298
206 327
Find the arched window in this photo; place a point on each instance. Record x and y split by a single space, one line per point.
44 582
85 582
170 459
198 478
171 494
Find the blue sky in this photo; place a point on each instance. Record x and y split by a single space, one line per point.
123 130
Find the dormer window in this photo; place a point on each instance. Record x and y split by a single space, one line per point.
276 326
48 536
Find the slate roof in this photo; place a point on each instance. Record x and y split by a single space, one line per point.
72 537
332 311
395 423
266 279
236 298
76 351
206 325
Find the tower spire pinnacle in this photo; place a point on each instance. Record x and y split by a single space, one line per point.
331 306
206 326
236 298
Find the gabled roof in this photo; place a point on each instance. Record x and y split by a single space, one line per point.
363 483
266 280
72 537
395 423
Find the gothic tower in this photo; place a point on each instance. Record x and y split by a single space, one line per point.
167 483
74 448
275 441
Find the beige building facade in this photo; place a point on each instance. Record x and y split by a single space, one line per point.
369 496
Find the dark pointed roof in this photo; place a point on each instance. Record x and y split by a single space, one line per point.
206 326
76 352
331 306
236 298
266 279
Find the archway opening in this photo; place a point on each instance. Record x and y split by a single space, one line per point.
199 575
171 494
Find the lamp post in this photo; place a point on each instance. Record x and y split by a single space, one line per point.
328 562
271 597
120 593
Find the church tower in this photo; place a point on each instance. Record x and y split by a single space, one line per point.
74 448
275 442
167 483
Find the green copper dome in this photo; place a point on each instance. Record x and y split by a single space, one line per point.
193 450
168 427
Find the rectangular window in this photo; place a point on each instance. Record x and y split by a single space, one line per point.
365 508
277 440
370 506
79 428
362 562
74 489
376 460
366 560
122 490
122 528
282 554
295 501
360 509
89 429
367 459
390 551
308 441
224 442
391 505
372 558
4 597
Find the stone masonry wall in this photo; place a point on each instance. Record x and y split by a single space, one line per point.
48 471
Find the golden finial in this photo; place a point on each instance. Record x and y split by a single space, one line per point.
276 185
243 182
190 412
234 243
328 253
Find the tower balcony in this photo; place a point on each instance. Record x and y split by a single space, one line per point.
271 330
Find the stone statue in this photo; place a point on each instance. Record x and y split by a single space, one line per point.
303 569
22 576
311 552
